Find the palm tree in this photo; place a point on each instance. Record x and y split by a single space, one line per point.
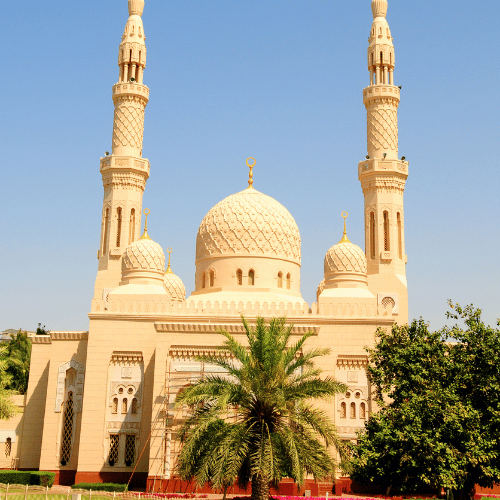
257 423
7 407
18 361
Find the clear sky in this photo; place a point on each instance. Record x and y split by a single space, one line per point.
279 80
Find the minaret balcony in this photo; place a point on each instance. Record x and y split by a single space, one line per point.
373 166
381 91
131 88
125 164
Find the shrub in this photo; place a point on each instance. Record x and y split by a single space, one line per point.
100 487
42 478
14 477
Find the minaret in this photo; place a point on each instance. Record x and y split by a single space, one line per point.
382 174
124 172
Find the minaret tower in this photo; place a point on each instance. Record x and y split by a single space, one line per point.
382 174
124 172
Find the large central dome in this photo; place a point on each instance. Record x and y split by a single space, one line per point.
248 223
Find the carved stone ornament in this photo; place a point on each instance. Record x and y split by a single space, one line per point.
61 380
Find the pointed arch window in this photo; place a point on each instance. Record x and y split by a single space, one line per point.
131 233
251 277
133 407
400 237
118 226
280 280
288 281
239 277
343 410
387 241
212 278
353 410
106 231
362 411
114 406
372 235
203 280
8 447
124 405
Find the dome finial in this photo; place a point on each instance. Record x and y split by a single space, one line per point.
345 239
169 270
250 166
379 8
145 235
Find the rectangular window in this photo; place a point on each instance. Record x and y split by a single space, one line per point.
129 449
114 440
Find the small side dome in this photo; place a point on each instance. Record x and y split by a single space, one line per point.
143 261
321 287
173 284
345 257
345 264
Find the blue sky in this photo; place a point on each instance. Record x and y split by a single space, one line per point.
279 80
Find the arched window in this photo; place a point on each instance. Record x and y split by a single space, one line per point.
343 411
212 278
387 241
288 280
372 235
362 411
114 407
353 410
133 407
8 447
280 280
203 280
106 231
131 232
400 237
118 226
251 277
124 405
67 431
239 277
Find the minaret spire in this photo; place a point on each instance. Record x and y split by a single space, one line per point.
124 172
382 174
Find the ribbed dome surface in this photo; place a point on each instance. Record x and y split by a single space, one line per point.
135 7
379 8
345 257
320 288
174 286
143 254
248 223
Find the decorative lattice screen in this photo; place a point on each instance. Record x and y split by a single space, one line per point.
67 433
130 449
8 447
114 440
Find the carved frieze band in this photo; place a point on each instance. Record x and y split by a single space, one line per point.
47 339
129 180
126 357
352 360
215 328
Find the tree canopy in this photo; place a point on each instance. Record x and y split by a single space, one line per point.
257 423
18 358
439 399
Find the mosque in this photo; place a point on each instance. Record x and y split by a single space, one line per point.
99 405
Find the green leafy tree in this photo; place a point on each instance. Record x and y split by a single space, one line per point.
42 330
18 356
439 423
7 407
257 423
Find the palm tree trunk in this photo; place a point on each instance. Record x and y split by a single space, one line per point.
260 487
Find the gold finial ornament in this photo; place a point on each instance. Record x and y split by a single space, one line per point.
145 235
345 239
250 166
169 250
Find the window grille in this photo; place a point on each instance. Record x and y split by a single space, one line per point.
239 277
124 405
8 447
134 406
353 410
129 449
118 225
251 277
114 408
67 432
388 302
343 410
280 280
387 241
114 440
